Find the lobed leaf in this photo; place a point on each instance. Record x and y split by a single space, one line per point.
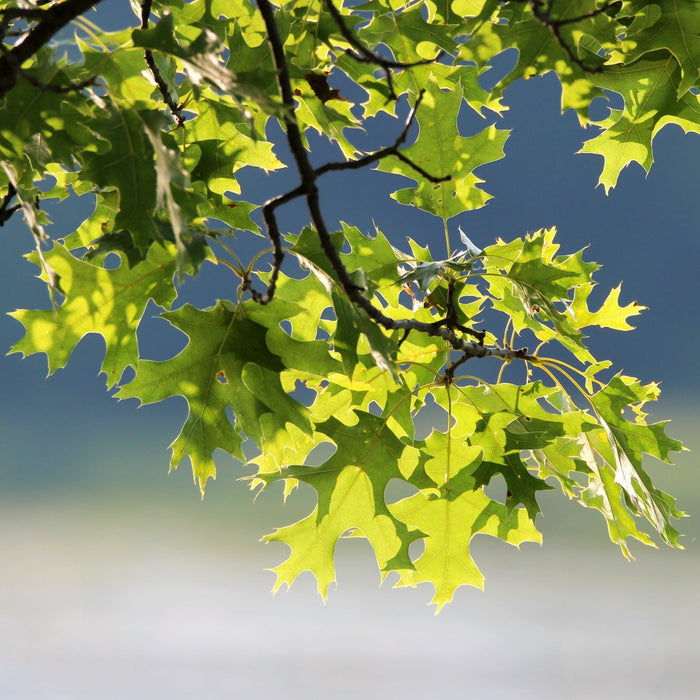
225 365
442 151
108 302
350 487
650 88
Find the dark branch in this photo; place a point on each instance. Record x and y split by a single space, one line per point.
146 6
6 211
51 21
307 173
175 109
451 320
365 55
593 13
451 369
392 150
445 329
275 235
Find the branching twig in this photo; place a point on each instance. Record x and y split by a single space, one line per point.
309 189
451 369
392 150
175 109
270 206
451 320
365 55
6 211
309 176
275 235
543 13
52 20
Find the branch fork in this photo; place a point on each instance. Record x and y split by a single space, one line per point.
445 328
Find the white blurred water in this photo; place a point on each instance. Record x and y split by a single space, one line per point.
122 597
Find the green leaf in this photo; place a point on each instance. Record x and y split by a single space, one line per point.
128 166
505 428
649 88
328 118
539 50
673 25
531 286
610 314
450 524
442 151
372 260
108 302
425 273
627 441
607 452
226 364
350 487
219 143
548 294
200 57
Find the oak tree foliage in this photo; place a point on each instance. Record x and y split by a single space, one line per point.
344 338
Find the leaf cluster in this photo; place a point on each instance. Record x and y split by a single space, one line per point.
354 344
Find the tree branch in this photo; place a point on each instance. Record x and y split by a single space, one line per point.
271 205
175 109
52 20
445 328
6 211
593 13
543 13
392 150
365 55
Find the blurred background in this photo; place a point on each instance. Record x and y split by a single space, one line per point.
118 581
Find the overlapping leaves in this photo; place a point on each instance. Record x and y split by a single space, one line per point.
225 364
311 367
547 294
108 302
442 151
524 434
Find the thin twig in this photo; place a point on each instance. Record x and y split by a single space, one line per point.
308 187
275 236
365 55
54 19
392 150
543 14
175 109
451 369
270 206
6 211
588 15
